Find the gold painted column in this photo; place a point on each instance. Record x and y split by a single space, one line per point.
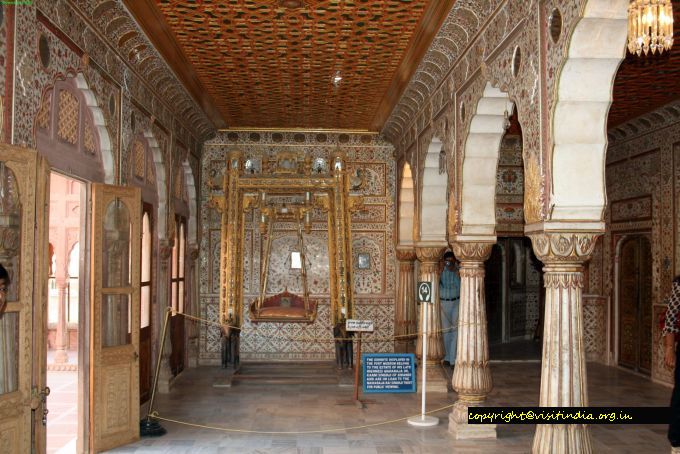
563 371
405 310
471 375
429 256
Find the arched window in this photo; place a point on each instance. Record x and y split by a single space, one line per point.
147 237
73 273
68 135
178 252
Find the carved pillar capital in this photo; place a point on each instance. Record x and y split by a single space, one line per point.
165 250
472 251
429 255
406 254
568 248
193 252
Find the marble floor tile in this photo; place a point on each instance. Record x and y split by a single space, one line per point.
308 409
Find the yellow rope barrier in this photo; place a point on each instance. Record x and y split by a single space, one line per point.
155 415
368 339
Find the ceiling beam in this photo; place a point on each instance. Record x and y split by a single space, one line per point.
150 19
433 18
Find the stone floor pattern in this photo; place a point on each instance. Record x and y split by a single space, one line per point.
62 420
309 408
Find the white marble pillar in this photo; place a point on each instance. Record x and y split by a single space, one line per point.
471 375
563 371
405 311
61 338
165 376
429 256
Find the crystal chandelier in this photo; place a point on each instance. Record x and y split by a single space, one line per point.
650 26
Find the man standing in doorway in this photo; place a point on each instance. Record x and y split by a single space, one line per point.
449 297
4 283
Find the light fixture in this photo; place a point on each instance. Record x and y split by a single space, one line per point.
291 4
336 79
506 120
650 26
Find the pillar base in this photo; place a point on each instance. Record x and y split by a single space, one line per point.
192 357
166 382
404 346
562 438
461 430
436 379
61 356
227 379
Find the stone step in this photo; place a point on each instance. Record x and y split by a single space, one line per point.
302 373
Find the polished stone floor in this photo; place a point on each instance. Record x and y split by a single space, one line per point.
323 412
62 419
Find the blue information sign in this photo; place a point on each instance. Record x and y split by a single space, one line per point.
389 372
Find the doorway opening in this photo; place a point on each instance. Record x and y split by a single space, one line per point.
66 297
635 304
513 286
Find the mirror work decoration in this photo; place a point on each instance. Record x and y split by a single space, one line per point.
315 186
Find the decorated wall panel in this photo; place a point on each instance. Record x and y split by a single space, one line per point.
370 161
452 76
62 39
643 187
510 187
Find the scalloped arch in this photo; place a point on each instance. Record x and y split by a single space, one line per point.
580 119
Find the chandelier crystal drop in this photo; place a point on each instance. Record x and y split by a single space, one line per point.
650 26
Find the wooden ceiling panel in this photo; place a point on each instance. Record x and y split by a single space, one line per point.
270 63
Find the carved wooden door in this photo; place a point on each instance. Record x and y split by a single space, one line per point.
24 188
115 296
635 304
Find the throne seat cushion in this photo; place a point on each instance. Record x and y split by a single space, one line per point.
283 312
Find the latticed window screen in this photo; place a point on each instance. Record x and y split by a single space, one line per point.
67 123
138 158
150 176
43 117
89 142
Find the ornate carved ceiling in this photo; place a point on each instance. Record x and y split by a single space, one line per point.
646 83
269 63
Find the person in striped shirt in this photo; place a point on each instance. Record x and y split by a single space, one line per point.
449 297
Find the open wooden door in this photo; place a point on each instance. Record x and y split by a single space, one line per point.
115 297
24 185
